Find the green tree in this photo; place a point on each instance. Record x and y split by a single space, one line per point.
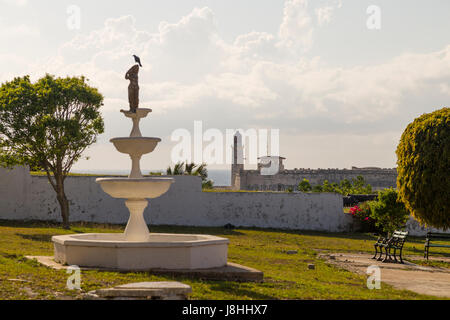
49 124
423 168
177 170
388 212
327 187
304 186
346 187
192 169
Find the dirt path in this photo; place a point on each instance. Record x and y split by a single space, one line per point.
432 281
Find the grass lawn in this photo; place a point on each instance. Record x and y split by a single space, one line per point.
286 276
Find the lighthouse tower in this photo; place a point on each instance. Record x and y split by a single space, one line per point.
238 162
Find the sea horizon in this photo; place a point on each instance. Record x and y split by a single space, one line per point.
220 177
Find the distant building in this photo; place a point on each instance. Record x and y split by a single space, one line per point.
271 174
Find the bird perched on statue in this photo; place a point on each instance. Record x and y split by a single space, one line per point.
137 60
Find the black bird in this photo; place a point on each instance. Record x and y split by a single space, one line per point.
138 60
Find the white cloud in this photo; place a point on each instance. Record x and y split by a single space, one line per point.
259 79
187 61
296 29
17 31
324 15
19 3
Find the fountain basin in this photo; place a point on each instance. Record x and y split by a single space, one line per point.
145 188
162 251
135 145
140 113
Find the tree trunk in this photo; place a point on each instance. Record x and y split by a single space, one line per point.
62 199
64 204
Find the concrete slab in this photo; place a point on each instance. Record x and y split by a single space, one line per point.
165 290
432 281
231 272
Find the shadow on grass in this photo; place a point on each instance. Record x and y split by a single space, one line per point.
339 235
234 288
75 226
192 230
32 224
36 237
200 230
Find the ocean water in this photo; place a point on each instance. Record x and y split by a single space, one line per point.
220 177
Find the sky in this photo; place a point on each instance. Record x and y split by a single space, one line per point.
340 93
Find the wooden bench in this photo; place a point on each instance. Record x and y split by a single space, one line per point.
431 236
395 242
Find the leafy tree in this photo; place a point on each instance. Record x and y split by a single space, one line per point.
48 125
345 187
424 168
304 186
359 186
327 187
388 212
191 169
177 170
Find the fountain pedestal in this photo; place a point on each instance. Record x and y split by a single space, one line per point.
137 249
137 229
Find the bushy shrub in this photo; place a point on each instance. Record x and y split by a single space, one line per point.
360 212
362 216
424 168
304 186
345 187
388 213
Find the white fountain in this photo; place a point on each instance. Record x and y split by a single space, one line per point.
137 249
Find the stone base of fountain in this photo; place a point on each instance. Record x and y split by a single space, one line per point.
161 251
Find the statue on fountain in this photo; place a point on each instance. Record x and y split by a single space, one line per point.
133 88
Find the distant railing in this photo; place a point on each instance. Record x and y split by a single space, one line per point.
354 199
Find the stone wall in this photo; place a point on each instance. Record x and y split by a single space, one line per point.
31 197
25 197
377 178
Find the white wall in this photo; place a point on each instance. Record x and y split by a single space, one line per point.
30 197
25 197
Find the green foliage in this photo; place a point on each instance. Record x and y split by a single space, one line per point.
345 187
49 122
304 186
424 168
389 213
48 125
207 185
327 187
360 186
317 188
191 169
